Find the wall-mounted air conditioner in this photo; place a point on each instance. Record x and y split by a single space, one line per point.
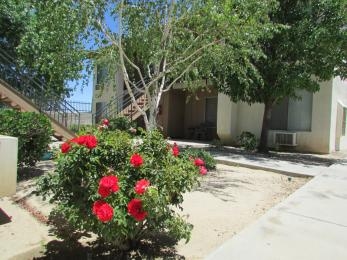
284 138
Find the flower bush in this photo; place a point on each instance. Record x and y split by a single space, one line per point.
120 190
208 161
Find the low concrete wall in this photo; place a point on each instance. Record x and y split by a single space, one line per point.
8 163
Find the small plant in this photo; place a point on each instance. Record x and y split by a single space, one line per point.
248 141
210 162
120 190
32 130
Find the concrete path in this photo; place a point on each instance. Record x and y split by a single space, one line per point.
23 237
268 164
299 165
309 224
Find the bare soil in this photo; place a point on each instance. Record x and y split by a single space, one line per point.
229 199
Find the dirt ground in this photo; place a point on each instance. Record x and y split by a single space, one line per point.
228 200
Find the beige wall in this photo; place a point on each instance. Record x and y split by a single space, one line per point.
8 162
226 119
233 118
250 118
339 100
195 109
108 92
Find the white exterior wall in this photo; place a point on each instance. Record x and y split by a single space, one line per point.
226 119
319 138
8 162
339 96
234 118
250 118
108 92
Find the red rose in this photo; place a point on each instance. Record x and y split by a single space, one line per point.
199 162
202 170
175 150
103 211
141 186
78 140
136 160
65 147
90 141
108 185
135 209
105 122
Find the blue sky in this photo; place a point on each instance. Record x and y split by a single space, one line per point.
85 94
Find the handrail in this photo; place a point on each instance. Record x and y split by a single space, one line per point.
33 88
118 103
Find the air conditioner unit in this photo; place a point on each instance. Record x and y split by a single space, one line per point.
284 138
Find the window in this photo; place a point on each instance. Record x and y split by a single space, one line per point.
300 112
211 111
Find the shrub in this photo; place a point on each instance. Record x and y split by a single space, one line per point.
248 141
121 123
210 162
33 131
120 190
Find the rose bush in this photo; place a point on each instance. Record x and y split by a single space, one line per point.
120 190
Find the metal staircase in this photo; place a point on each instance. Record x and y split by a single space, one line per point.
122 105
20 90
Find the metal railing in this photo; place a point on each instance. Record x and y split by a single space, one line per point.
27 84
82 107
119 103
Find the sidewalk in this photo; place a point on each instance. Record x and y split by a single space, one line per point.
299 164
309 224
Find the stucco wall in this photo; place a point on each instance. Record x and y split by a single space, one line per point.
195 109
226 119
234 118
250 118
106 93
339 99
8 162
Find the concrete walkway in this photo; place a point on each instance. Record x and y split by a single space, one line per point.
268 164
297 166
309 224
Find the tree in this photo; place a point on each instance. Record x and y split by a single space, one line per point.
20 27
158 42
309 47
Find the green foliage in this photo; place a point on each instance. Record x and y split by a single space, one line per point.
210 162
248 141
73 187
308 47
121 123
33 131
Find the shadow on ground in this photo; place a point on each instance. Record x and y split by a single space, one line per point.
301 158
219 184
69 246
27 173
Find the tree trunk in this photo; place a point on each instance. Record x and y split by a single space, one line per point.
265 128
153 111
